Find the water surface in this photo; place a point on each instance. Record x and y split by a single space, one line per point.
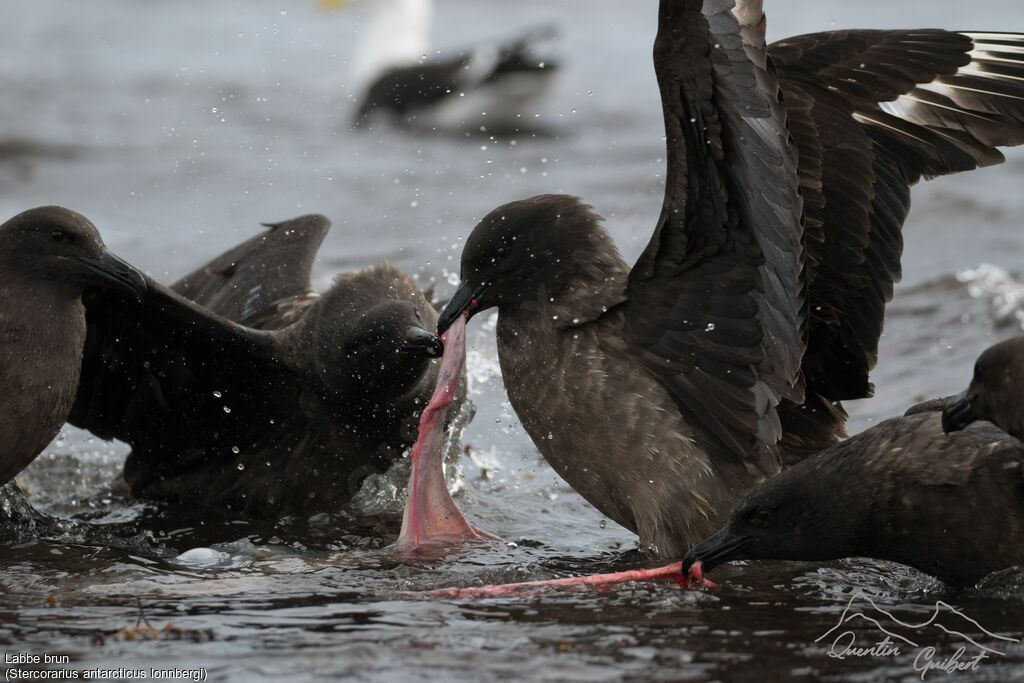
178 127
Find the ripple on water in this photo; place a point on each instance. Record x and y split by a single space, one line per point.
170 183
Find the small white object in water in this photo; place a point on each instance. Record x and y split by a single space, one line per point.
202 557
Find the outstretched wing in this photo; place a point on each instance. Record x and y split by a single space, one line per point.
175 381
716 301
872 112
258 281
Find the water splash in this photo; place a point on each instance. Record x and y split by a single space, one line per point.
999 287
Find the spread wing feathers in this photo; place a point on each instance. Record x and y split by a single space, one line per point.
259 280
155 372
870 113
947 98
716 301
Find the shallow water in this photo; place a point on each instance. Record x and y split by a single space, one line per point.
178 127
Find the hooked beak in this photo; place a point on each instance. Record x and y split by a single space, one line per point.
714 550
464 300
420 342
110 271
958 412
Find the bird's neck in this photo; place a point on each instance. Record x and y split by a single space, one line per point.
41 339
396 33
52 306
592 282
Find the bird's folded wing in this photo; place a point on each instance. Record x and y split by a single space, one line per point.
716 303
173 379
257 281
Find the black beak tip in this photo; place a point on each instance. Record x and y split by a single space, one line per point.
464 300
116 273
957 413
137 284
714 550
447 316
421 342
435 348
689 560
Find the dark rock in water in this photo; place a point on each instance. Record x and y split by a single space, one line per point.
19 521
285 413
666 391
48 257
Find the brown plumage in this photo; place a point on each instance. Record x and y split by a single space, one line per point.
48 257
994 392
871 112
508 75
951 506
286 413
664 392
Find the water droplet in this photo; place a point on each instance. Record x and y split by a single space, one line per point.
235 449
603 524
226 409
241 467
710 327
217 394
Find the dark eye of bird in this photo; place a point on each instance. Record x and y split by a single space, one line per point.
761 517
58 235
